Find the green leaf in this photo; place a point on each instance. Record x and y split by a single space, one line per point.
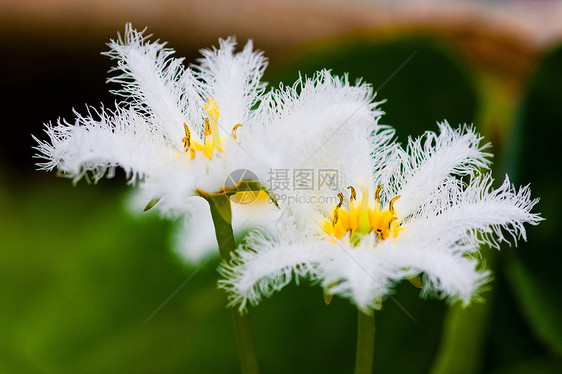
539 298
537 365
151 203
252 186
534 272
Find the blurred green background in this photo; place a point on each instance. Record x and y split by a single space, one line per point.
80 279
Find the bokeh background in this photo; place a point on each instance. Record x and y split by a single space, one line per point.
87 288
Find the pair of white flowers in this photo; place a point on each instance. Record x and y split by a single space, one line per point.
398 213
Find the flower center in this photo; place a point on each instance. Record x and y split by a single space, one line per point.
211 140
362 219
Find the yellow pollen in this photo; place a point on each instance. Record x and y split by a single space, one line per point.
340 195
336 214
353 194
363 219
391 204
211 140
352 198
377 192
187 142
187 138
208 144
233 132
212 109
208 130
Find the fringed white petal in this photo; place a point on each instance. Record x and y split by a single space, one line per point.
233 80
481 215
194 239
265 264
326 114
383 149
432 158
447 272
156 84
362 274
120 139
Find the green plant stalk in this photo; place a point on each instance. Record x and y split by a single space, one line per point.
222 220
365 343
462 340
464 332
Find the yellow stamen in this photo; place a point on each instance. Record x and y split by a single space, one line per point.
233 132
336 214
211 140
187 142
340 195
212 109
353 194
187 138
391 204
364 219
352 198
207 145
377 194
208 130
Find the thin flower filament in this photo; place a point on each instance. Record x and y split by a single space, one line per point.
358 220
211 139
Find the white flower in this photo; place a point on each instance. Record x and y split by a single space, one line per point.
194 237
423 211
182 131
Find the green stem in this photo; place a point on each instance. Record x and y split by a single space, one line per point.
222 218
463 339
461 348
365 343
245 341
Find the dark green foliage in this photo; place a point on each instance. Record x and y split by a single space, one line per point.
534 272
421 80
